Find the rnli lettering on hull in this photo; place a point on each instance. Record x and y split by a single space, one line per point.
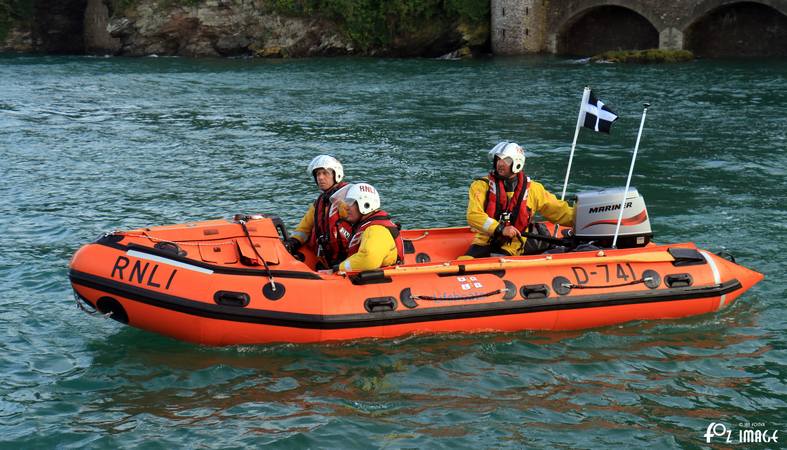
147 271
141 272
607 208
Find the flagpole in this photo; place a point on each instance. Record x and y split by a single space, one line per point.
580 119
585 97
631 172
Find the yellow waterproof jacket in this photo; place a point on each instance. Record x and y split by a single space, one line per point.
538 200
378 249
304 229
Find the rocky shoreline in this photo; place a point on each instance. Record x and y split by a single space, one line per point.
232 28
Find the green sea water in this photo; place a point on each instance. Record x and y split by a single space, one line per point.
89 145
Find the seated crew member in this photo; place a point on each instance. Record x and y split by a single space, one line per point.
321 228
375 241
502 204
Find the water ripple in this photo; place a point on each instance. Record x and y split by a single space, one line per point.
95 144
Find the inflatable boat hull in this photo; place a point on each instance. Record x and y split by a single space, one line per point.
205 283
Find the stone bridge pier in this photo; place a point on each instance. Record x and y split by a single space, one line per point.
709 28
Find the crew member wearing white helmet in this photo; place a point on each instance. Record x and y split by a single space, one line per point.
321 229
375 241
502 204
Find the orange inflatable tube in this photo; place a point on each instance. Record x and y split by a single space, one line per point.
216 283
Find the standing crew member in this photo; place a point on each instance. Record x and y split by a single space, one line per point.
501 205
321 228
375 241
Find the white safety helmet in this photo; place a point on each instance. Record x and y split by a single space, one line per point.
329 163
365 195
509 150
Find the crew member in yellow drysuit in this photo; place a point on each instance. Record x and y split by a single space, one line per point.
501 205
321 229
375 241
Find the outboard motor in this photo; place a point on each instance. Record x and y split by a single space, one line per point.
597 217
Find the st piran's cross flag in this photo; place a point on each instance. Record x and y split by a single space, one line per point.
598 117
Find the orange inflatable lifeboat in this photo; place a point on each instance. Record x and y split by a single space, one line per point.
226 282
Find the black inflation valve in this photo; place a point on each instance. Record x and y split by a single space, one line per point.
273 291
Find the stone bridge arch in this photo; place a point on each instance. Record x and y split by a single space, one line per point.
703 7
605 25
724 28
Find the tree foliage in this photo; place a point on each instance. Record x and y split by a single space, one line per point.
368 23
374 23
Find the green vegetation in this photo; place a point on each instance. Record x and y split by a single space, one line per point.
373 23
117 7
376 23
653 55
13 12
368 24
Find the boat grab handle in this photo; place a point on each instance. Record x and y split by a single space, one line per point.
229 298
678 280
380 304
534 291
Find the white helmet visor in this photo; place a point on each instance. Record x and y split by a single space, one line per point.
507 160
340 203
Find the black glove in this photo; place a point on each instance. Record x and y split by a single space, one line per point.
292 245
499 230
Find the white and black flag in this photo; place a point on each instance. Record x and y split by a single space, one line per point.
598 117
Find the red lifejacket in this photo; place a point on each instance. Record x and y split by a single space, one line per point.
330 235
499 204
377 218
